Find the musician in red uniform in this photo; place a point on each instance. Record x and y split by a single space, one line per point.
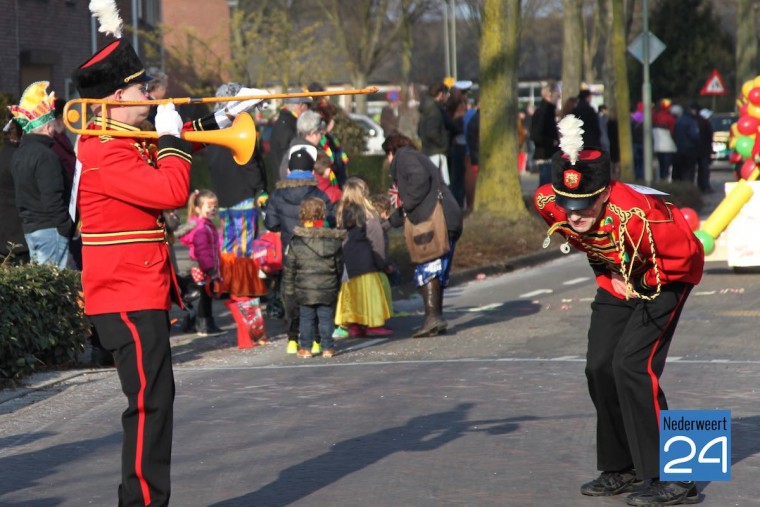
646 260
128 280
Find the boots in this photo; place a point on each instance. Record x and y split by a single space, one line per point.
432 297
205 326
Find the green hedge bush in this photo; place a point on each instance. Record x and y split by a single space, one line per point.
41 323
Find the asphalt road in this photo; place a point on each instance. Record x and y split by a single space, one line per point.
495 413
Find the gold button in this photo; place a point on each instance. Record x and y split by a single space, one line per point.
146 263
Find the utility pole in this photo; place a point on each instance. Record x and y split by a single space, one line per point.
646 94
453 50
446 38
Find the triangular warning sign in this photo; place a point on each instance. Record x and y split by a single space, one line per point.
714 85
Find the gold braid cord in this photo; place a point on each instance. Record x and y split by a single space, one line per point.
625 216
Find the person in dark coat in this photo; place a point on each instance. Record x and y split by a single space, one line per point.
704 151
284 128
313 271
38 178
592 133
434 128
283 215
11 234
419 185
543 132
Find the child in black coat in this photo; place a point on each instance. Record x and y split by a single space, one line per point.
313 270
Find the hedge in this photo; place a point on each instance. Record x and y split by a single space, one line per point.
41 323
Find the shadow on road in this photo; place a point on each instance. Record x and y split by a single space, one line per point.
419 434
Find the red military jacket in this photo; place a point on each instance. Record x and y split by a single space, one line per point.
641 237
124 186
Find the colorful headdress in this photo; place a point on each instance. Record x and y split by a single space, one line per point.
36 107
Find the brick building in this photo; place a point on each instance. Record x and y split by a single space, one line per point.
47 39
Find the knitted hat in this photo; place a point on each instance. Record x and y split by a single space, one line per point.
578 175
36 107
302 158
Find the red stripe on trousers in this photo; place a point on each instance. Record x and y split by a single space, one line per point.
655 381
140 408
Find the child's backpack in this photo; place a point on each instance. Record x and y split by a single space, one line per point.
267 252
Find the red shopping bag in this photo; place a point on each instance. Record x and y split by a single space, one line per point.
267 252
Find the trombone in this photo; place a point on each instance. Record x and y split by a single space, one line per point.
240 137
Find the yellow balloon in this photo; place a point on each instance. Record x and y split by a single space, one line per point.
747 87
757 81
753 110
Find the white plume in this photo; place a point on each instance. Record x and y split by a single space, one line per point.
571 136
108 16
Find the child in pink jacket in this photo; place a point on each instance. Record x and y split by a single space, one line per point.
199 234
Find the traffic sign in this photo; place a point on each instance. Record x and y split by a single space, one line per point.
714 85
656 47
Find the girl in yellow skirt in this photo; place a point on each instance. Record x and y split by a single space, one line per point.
362 304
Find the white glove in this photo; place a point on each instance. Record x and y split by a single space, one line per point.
168 121
225 116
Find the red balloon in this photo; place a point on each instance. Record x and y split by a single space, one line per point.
747 125
754 95
734 158
692 218
743 109
747 167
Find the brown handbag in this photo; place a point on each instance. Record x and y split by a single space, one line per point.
428 239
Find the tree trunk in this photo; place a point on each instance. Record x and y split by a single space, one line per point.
622 94
746 42
499 188
573 36
359 80
608 76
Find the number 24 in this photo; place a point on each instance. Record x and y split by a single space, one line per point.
723 441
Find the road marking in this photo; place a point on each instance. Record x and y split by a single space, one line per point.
485 308
320 364
536 293
575 281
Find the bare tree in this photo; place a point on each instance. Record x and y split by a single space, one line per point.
622 102
499 186
270 45
572 47
366 31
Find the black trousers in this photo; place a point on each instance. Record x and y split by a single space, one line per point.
140 345
628 343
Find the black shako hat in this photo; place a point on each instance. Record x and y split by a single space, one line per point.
113 67
300 160
577 186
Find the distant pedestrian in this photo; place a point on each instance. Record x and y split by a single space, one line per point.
543 132
433 132
12 243
704 151
663 123
592 134
284 127
686 137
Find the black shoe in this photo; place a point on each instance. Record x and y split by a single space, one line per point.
610 483
207 327
660 493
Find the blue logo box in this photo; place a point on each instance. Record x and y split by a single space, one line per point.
695 445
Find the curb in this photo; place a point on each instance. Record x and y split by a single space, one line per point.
45 380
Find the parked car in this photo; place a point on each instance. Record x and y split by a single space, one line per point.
375 133
721 124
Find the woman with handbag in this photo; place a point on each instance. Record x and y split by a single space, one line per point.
432 222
